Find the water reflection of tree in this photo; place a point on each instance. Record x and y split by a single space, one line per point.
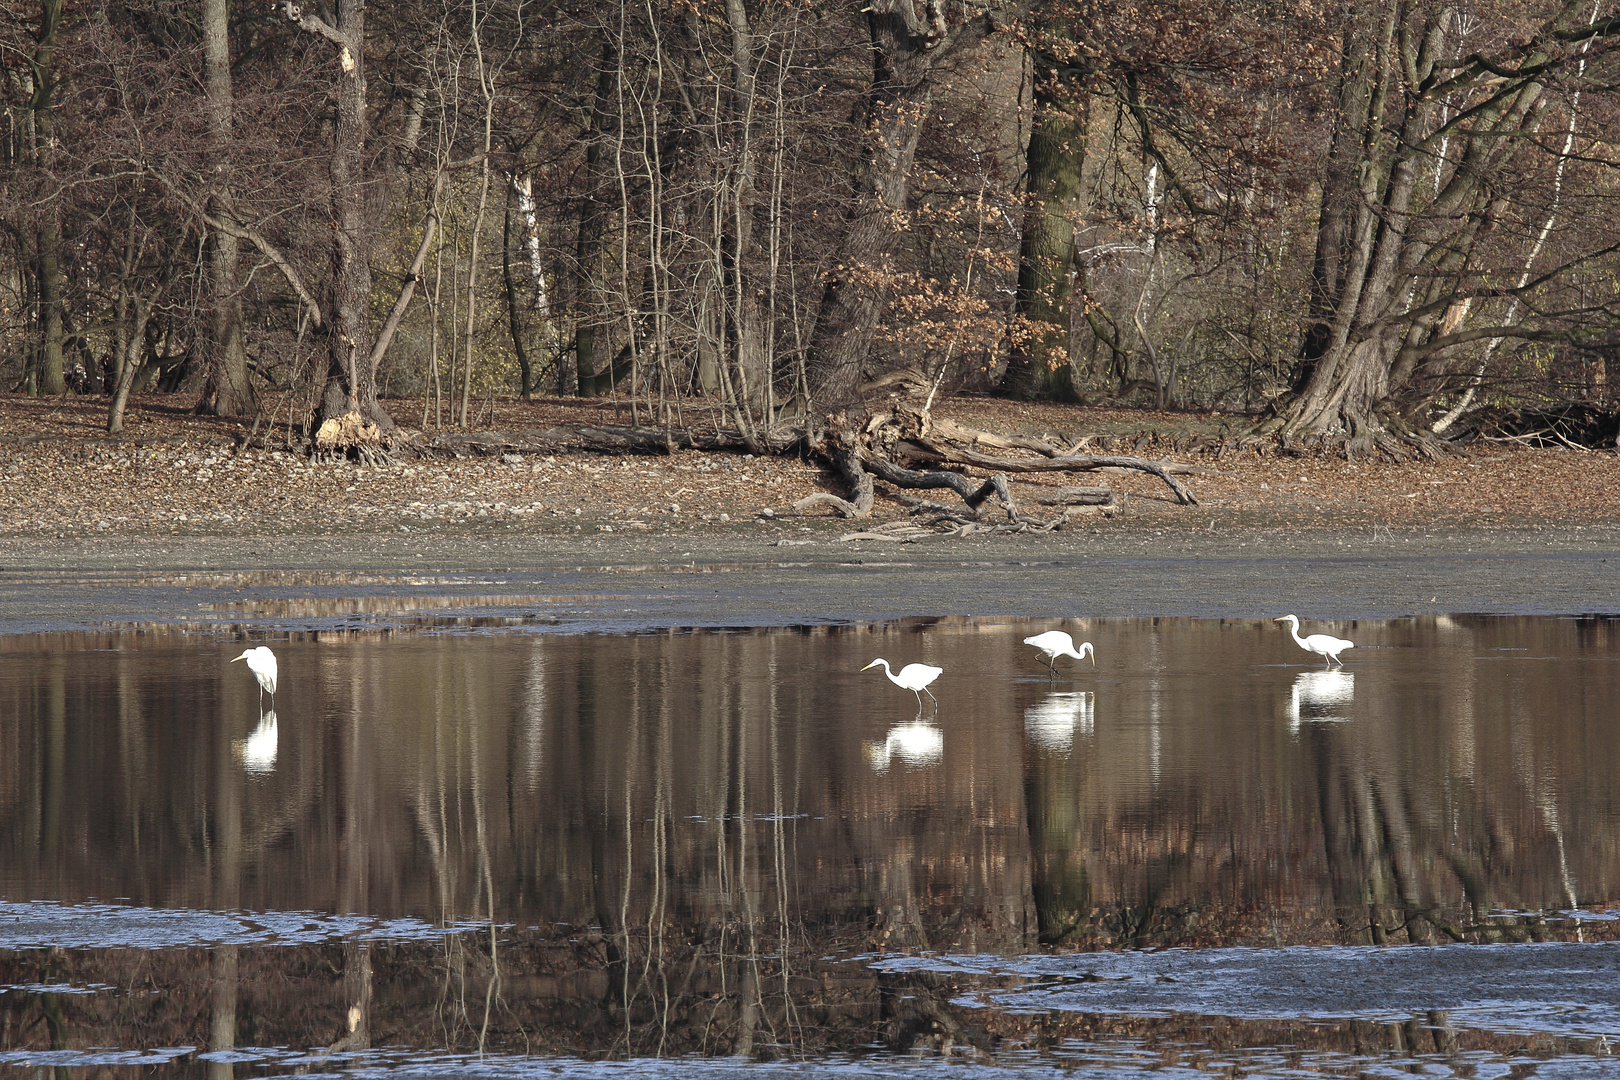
1436 803
663 838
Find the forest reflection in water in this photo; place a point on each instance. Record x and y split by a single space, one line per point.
688 842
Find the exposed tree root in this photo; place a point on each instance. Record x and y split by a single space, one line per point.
914 437
1387 444
841 452
973 495
352 436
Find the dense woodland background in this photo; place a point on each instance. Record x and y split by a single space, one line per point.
1347 220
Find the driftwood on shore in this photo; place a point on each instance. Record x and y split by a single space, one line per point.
888 445
905 447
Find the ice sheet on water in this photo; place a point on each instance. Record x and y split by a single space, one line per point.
37 924
1565 989
41 1059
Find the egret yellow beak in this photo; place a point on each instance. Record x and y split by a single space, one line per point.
1093 657
234 659
1283 619
873 664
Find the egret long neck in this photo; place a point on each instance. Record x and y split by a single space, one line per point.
1293 628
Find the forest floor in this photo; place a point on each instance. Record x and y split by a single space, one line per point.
175 473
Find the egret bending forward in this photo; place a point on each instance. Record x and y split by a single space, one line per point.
914 677
1055 643
262 662
1325 645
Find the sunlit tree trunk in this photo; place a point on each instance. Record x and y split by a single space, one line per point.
509 282
351 378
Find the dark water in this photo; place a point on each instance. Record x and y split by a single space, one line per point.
508 852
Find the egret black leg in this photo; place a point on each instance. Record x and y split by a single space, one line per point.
931 697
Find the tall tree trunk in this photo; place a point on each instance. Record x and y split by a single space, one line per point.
48 265
51 380
904 51
509 280
746 321
591 246
351 378
227 391
1040 366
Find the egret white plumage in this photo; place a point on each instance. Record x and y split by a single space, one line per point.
1325 645
914 677
262 662
1055 643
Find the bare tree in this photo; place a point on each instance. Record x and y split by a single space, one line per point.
1396 252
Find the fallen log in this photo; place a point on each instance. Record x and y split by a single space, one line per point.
844 457
974 496
1079 496
1066 463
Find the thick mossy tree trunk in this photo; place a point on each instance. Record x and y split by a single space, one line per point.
227 391
1039 365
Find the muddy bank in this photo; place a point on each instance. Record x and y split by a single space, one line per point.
764 574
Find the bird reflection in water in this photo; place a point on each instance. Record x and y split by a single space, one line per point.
1052 722
914 743
1320 697
258 750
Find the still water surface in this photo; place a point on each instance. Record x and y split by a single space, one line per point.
510 852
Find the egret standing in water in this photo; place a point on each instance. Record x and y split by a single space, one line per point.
914 677
1055 643
1325 645
262 662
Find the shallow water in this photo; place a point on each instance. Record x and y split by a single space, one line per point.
513 851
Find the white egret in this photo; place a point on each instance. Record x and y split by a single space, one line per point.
262 662
914 677
1055 643
1325 645
915 743
259 748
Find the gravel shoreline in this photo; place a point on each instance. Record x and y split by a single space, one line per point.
183 525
